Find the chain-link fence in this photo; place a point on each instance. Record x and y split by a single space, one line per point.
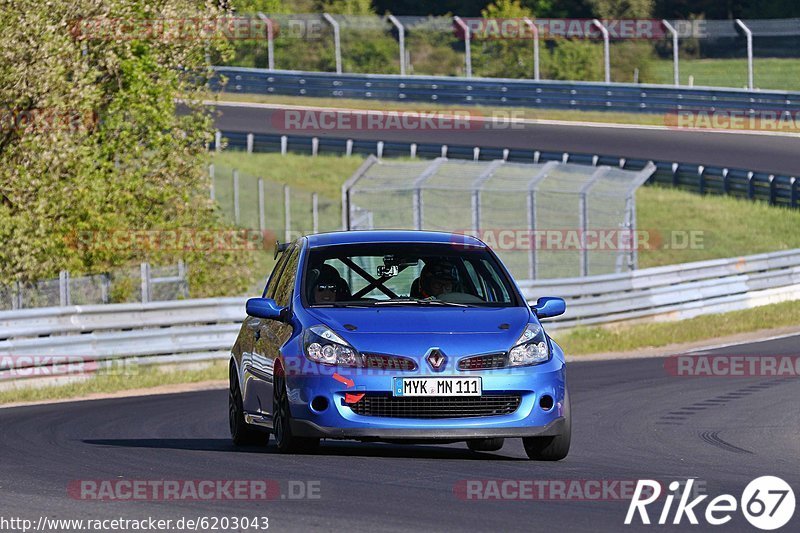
143 284
710 52
283 211
549 220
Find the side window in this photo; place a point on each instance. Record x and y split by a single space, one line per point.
285 284
496 284
477 281
269 290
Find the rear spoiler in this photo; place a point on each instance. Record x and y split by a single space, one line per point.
280 248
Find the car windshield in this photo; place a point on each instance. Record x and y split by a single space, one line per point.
403 274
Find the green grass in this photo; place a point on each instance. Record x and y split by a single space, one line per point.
587 340
768 73
728 226
135 377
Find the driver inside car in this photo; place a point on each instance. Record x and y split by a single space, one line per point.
329 286
436 279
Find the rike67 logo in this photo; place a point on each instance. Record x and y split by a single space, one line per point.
767 503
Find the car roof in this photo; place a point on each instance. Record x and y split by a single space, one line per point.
380 236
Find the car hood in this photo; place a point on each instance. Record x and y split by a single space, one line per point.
449 320
469 330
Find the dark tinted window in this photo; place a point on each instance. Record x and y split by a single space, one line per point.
285 283
367 274
269 290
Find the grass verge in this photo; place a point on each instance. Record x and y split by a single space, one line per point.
603 339
140 377
780 74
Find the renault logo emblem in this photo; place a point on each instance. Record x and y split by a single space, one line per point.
436 358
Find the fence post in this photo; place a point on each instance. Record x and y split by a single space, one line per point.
270 41
606 57
413 150
287 213
63 289
583 213
467 45
145 278
105 287
16 297
262 221
217 140
249 143
314 213
401 34
284 144
314 146
379 149
184 283
337 43
675 60
212 193
236 197
535 31
749 35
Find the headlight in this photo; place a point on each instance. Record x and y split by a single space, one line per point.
322 345
532 347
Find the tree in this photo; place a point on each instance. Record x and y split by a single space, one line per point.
104 148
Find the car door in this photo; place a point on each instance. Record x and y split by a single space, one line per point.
255 372
273 334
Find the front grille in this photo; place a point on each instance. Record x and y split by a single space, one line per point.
436 407
389 362
483 362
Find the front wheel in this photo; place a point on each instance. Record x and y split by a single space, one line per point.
282 422
551 448
242 433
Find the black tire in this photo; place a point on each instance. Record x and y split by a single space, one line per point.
486 445
242 433
551 448
282 422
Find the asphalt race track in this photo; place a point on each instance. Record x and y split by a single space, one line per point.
632 420
777 154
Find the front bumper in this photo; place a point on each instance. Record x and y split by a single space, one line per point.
305 428
339 421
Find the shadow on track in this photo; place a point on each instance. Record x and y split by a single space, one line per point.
339 448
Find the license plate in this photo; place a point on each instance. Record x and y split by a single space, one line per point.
437 386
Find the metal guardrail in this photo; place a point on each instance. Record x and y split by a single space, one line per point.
777 189
584 96
675 292
192 330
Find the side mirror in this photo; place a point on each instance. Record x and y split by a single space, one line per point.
264 308
547 307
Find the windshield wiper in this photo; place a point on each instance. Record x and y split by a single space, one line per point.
419 301
344 304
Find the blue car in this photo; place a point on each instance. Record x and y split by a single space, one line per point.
399 336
